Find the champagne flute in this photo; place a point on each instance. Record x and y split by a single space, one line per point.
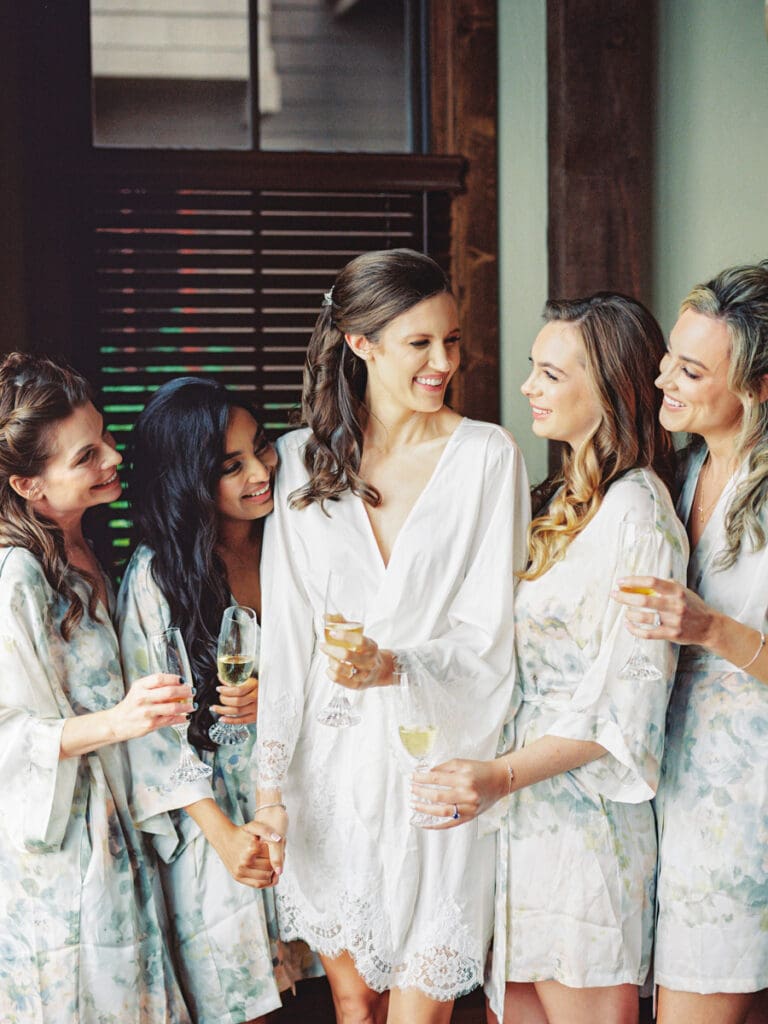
235 657
638 543
169 654
343 626
418 733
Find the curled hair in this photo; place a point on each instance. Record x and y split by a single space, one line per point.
739 298
35 394
367 295
177 448
623 346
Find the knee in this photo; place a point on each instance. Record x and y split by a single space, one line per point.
357 1008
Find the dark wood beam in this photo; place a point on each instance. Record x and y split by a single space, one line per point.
463 45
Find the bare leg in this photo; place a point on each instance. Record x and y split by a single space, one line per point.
521 1005
410 1006
718 1008
614 1004
353 1001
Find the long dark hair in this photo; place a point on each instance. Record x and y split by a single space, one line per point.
624 346
35 394
368 294
178 445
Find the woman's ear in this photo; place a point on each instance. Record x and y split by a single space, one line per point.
27 487
762 392
359 345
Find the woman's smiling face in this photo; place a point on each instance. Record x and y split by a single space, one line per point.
244 490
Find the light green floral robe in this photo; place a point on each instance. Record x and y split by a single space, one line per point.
712 933
231 965
80 938
577 852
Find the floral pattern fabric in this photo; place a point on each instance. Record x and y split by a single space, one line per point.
231 964
80 933
577 852
413 908
712 933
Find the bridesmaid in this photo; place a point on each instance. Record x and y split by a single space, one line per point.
577 849
712 939
202 486
80 935
428 511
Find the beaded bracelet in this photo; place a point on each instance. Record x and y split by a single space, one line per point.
263 807
756 655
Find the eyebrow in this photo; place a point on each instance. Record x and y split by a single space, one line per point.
549 366
426 334
82 450
260 435
696 362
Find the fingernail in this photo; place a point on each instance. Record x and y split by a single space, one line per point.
195 705
194 690
275 838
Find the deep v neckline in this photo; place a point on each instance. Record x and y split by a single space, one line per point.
385 564
726 492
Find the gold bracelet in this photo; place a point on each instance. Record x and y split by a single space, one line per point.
756 655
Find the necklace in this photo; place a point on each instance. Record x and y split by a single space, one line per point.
704 511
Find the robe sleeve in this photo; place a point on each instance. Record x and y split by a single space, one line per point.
626 716
38 788
142 611
468 670
287 647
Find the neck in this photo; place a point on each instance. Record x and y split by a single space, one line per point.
391 426
71 527
240 534
722 454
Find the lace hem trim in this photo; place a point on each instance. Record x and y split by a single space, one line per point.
442 970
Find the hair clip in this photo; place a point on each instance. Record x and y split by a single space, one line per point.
328 297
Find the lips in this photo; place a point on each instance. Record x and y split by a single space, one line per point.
433 382
260 494
107 483
539 413
672 403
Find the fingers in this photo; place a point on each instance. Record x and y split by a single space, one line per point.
454 814
238 696
274 841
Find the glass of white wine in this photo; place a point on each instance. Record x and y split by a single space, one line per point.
168 654
343 626
638 547
417 729
235 659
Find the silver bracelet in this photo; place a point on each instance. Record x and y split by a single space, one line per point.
263 807
756 655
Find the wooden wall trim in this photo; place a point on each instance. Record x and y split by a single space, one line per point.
464 81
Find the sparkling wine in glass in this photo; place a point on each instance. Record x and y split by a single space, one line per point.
343 626
418 732
235 659
638 547
169 654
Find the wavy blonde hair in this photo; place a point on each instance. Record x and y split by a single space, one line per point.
623 347
36 394
738 297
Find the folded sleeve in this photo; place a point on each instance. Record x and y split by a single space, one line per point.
469 669
141 612
38 788
627 716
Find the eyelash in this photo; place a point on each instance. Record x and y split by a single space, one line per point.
425 342
234 467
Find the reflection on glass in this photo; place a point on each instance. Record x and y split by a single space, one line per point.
332 76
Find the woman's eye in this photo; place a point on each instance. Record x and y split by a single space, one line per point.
419 344
453 341
231 468
84 458
689 374
550 376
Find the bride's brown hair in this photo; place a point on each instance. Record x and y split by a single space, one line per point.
623 346
367 295
35 394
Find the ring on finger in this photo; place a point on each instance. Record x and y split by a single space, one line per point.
455 814
656 620
353 669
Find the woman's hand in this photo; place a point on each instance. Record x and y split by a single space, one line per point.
272 823
466 788
152 702
239 704
244 849
671 612
357 669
